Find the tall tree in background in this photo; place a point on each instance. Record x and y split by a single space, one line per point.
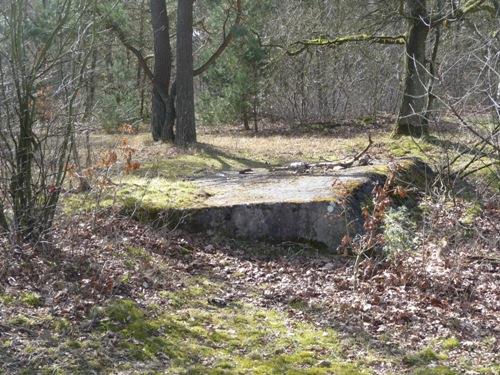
162 111
411 119
186 125
422 18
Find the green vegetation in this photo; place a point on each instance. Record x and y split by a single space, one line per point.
450 343
423 357
438 370
399 231
200 338
31 299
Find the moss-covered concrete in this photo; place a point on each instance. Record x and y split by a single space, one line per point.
264 205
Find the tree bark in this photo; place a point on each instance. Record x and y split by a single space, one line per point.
4 225
185 125
411 119
246 123
431 98
162 72
320 92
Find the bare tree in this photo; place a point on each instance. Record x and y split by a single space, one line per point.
41 76
422 18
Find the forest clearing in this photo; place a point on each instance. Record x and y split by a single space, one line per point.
238 187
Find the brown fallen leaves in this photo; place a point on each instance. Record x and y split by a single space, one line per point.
448 287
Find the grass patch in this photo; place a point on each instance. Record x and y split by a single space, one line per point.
31 299
494 369
450 343
21 320
423 357
439 370
6 299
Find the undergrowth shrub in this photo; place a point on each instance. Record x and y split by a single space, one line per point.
398 231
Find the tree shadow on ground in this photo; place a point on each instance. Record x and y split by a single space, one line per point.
222 157
462 148
347 129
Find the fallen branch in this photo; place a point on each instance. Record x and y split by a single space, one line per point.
302 166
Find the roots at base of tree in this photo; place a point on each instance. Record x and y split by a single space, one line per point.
404 128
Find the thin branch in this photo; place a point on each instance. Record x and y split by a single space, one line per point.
126 43
323 42
471 6
227 38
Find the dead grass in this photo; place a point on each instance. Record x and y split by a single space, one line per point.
231 148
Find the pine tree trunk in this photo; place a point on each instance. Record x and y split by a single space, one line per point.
162 71
411 119
186 125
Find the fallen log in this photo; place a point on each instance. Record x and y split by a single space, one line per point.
303 166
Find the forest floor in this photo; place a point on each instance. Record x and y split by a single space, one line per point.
113 295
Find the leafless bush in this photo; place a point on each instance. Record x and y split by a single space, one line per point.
44 50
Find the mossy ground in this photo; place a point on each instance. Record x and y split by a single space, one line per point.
199 338
162 320
182 332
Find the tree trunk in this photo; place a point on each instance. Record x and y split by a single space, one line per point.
91 85
162 71
320 92
246 123
21 188
4 225
140 75
431 98
411 119
186 125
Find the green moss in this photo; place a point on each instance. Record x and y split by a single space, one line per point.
189 295
138 252
471 213
73 344
494 369
439 370
423 357
31 299
21 320
158 193
299 304
135 193
86 202
6 343
6 299
450 343
62 325
124 311
199 338
411 147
